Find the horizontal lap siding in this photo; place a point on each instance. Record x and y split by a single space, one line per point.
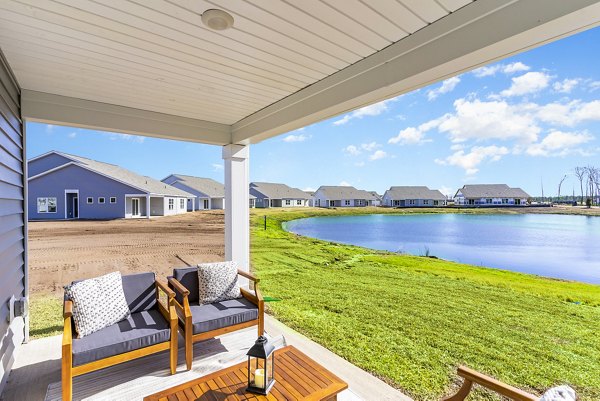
12 215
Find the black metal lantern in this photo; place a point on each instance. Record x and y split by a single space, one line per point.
261 367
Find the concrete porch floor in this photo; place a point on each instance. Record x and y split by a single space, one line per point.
36 372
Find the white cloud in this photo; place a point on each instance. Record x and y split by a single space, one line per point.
491 70
470 161
352 150
50 128
594 85
530 82
125 137
359 164
370 146
410 136
345 184
478 120
569 114
217 167
296 138
72 134
566 85
559 143
370 110
447 86
378 155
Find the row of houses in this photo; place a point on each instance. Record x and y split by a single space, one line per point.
65 186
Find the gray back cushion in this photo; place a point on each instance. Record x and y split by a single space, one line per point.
188 277
140 291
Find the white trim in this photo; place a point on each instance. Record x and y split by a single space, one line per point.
73 112
25 230
71 191
110 198
37 201
103 202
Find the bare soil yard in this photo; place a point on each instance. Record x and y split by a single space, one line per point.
63 251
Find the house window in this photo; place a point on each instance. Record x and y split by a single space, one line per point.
101 200
288 202
435 203
396 203
113 199
426 202
46 205
299 202
411 202
182 203
504 201
346 203
171 203
488 200
90 200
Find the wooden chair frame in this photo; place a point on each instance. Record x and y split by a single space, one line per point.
185 316
69 371
471 376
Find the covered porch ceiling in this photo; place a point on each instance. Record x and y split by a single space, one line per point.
150 67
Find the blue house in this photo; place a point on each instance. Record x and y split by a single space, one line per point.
64 186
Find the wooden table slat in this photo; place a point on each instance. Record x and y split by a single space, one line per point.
297 378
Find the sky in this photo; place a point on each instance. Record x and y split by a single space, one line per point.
523 121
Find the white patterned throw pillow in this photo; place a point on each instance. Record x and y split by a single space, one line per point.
217 282
97 303
560 393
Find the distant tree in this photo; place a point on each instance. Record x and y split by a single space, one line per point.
560 185
580 173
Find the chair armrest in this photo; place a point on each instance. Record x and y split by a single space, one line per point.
68 309
472 376
67 340
248 276
162 286
177 286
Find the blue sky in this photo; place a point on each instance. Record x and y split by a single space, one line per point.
533 116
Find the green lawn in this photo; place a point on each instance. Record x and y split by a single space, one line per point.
412 320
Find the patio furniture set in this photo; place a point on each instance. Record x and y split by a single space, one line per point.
114 319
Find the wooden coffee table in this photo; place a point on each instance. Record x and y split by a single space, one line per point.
297 378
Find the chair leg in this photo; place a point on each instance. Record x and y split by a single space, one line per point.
174 349
67 379
189 344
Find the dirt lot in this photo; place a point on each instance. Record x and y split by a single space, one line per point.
63 251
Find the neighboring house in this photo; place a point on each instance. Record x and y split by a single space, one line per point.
278 195
343 196
377 199
311 199
413 196
64 186
209 194
252 201
490 194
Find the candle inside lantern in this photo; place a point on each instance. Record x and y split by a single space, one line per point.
259 378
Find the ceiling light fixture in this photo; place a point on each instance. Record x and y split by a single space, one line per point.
216 19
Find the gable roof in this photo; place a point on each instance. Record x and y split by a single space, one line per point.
492 191
145 184
333 192
278 191
208 186
414 192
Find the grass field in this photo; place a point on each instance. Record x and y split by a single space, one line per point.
411 320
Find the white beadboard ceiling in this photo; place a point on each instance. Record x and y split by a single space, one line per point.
156 55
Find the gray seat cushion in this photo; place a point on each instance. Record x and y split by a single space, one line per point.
188 277
140 330
222 314
140 291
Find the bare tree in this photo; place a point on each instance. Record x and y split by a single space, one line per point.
580 174
560 185
595 183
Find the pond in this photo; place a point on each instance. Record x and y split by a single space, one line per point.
559 246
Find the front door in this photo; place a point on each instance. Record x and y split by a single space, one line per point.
135 207
72 205
205 203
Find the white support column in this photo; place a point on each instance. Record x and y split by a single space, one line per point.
147 206
237 212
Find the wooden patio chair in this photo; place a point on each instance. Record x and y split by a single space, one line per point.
471 376
201 322
151 328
